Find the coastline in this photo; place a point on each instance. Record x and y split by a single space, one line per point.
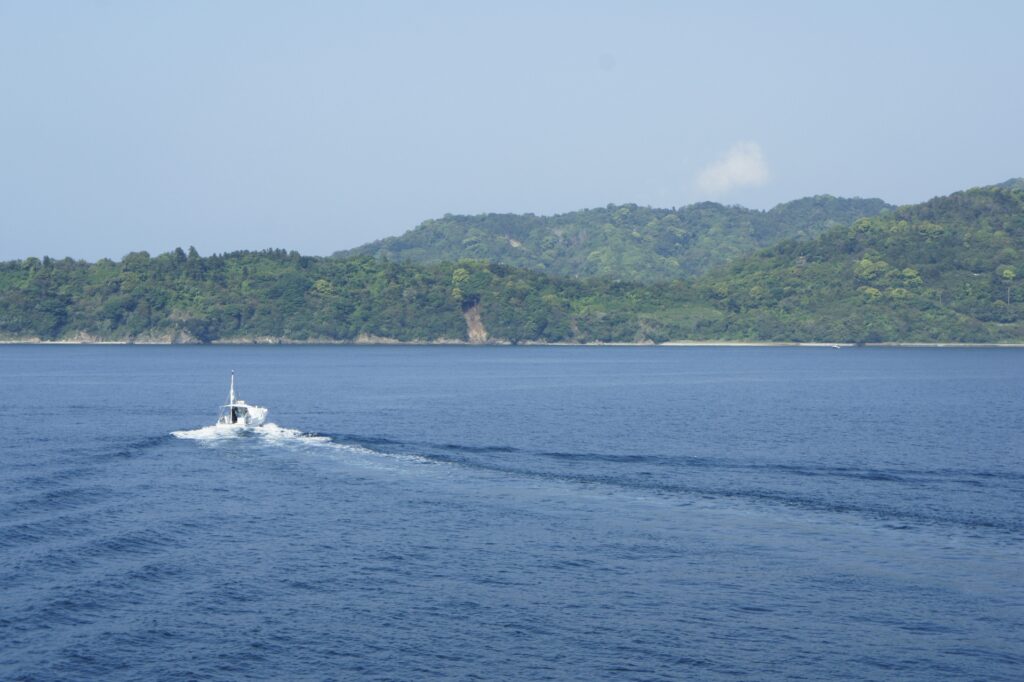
384 341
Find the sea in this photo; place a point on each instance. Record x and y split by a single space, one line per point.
512 513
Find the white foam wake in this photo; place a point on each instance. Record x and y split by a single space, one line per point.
272 434
214 432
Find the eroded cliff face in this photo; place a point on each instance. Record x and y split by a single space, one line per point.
474 325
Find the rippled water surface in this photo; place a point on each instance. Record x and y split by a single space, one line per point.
499 513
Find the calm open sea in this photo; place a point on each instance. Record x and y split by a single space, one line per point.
512 513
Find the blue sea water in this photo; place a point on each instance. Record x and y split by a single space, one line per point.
512 513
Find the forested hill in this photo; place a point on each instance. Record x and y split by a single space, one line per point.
277 295
945 270
627 242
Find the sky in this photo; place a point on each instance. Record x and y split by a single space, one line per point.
319 126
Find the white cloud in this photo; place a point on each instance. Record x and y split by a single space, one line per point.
742 166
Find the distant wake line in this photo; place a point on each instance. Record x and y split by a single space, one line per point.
507 461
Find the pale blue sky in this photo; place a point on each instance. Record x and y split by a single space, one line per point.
318 126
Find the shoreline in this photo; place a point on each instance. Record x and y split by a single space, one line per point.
379 341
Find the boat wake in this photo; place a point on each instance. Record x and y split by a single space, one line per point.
279 437
269 432
681 477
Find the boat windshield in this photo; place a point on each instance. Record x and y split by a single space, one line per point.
232 413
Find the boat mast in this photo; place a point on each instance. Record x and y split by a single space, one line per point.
231 393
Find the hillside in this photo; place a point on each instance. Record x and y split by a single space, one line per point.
277 295
626 242
942 271
947 269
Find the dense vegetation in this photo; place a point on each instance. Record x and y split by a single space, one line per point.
276 294
945 270
270 293
621 242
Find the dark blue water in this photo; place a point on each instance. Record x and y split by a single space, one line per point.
513 513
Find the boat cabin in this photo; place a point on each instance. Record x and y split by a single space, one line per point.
238 412
234 413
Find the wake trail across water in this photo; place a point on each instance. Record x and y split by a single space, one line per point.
770 484
880 495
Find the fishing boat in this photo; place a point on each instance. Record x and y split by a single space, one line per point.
238 413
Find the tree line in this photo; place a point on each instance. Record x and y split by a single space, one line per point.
943 271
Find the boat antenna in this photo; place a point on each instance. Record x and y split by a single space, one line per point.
231 393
